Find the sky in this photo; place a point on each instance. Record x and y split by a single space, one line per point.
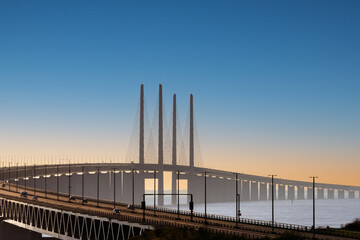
276 83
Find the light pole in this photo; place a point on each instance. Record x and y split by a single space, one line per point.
82 184
57 182
272 202
237 199
3 177
114 189
34 178
9 175
17 175
154 192
25 176
178 193
45 180
205 175
98 175
313 178
133 191
69 182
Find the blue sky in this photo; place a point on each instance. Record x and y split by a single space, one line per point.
274 81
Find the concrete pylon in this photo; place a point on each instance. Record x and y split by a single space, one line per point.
160 150
173 182
141 139
193 185
191 157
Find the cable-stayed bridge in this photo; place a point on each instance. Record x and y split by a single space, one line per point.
111 185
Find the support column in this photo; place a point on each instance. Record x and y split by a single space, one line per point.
141 141
174 177
320 193
160 150
291 192
281 192
341 194
263 191
254 191
245 190
300 192
195 186
139 179
191 157
351 194
330 194
309 193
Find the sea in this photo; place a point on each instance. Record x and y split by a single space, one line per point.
328 212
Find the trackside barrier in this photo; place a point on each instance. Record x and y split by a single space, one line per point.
332 232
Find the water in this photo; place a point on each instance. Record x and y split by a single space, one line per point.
329 212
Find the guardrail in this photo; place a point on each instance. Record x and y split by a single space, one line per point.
229 219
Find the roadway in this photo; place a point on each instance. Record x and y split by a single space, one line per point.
161 218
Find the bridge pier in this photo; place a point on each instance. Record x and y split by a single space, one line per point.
330 194
291 192
309 193
320 193
195 186
341 194
300 192
254 191
213 189
245 190
263 191
160 175
351 194
281 192
127 187
173 187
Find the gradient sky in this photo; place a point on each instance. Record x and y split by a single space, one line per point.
276 83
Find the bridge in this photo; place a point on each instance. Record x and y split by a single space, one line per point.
61 209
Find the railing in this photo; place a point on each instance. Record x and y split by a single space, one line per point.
223 220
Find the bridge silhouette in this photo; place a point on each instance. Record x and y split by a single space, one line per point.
124 183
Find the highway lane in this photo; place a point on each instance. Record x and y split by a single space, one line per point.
106 208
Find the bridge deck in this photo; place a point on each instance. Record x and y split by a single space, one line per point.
161 218
64 168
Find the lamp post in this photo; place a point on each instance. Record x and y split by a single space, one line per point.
272 202
154 192
82 183
69 182
25 176
133 190
313 178
57 182
114 189
45 180
17 175
237 199
205 175
97 194
3 169
9 175
34 178
178 194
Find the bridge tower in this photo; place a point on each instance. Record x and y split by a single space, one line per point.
141 140
160 150
194 184
173 181
191 157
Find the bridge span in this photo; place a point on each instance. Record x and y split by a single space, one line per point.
57 215
112 185
99 180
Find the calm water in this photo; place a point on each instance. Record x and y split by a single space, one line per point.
331 213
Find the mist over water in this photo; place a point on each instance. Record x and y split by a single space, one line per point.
329 212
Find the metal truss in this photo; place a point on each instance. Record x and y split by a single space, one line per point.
67 225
